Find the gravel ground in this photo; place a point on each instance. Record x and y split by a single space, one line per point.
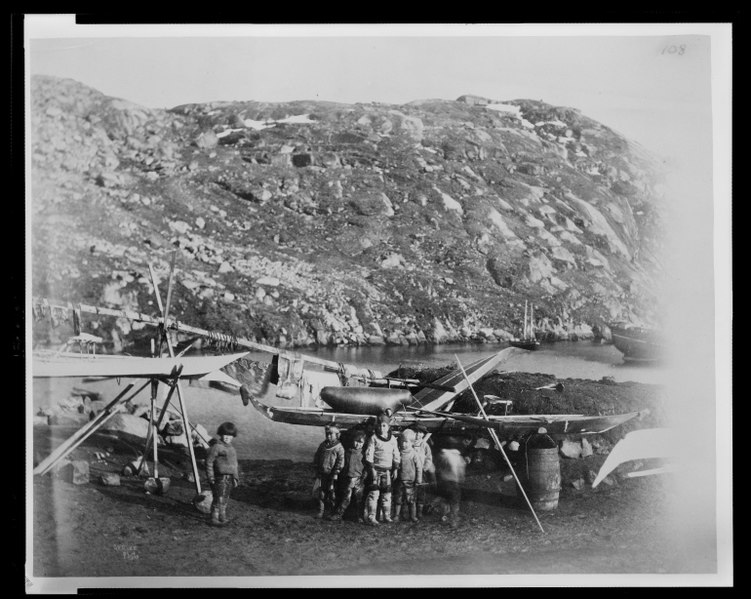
629 527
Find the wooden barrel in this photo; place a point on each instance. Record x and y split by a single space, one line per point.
543 478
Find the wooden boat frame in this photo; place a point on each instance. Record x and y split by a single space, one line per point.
448 422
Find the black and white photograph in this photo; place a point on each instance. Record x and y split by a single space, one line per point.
393 305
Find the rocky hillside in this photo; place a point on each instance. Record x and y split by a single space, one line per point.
316 222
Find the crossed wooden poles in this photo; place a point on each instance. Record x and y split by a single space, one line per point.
173 382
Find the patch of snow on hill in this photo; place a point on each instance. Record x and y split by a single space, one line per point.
258 125
298 119
515 110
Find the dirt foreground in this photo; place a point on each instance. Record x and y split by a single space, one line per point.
622 533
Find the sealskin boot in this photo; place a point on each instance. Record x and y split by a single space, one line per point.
223 514
321 509
387 508
419 509
215 521
397 511
371 507
413 513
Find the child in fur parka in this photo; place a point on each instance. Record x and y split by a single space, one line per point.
422 449
222 471
381 462
328 462
408 477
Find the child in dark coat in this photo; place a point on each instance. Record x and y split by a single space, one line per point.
222 472
352 480
328 462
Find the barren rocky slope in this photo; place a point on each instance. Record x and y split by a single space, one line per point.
315 222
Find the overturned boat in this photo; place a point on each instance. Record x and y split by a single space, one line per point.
358 406
637 343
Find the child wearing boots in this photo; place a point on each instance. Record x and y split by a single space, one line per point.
328 462
408 477
222 472
352 481
381 462
423 451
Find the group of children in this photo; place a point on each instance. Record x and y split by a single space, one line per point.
376 469
372 469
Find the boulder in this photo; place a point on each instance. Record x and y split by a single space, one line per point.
129 424
586 448
110 479
207 139
571 449
373 205
80 473
202 501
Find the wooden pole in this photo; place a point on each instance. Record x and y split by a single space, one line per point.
84 432
156 289
169 289
186 427
161 327
498 444
153 426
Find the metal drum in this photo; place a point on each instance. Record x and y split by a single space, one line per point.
543 478
543 472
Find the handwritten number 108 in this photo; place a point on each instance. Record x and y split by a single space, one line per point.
674 49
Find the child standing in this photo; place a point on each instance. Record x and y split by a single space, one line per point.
352 482
422 449
381 461
450 471
222 472
409 476
328 462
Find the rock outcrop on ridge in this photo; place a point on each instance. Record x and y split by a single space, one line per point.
309 222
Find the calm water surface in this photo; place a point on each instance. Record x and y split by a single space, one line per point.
582 359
